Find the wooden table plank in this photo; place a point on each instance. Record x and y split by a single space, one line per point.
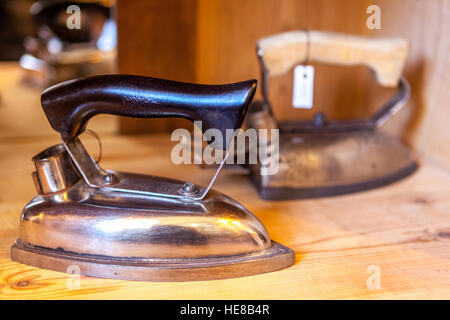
404 228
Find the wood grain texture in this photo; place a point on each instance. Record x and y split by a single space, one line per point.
156 38
385 56
222 40
423 124
403 228
228 32
222 49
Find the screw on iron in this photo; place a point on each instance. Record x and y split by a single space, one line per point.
108 178
188 189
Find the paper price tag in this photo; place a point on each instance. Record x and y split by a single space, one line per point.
303 87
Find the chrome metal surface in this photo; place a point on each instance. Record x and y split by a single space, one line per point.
131 226
96 177
54 172
99 221
56 53
92 174
114 234
188 189
183 269
55 68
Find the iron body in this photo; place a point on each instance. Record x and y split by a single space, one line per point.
320 158
136 237
318 165
131 226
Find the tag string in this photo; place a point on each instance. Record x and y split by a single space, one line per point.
307 47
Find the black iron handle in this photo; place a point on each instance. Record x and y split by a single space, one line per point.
71 104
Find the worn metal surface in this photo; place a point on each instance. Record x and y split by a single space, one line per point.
324 158
183 269
320 158
317 165
317 159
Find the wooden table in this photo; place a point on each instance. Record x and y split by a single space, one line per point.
402 230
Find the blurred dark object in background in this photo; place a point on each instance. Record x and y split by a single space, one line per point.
52 14
55 52
15 25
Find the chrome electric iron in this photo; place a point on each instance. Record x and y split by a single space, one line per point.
325 158
130 226
58 53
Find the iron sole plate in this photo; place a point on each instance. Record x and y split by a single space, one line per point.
270 193
181 269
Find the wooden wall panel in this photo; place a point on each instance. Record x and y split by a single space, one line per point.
425 23
156 38
213 41
228 31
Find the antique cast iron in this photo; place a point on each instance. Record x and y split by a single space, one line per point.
131 226
325 158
